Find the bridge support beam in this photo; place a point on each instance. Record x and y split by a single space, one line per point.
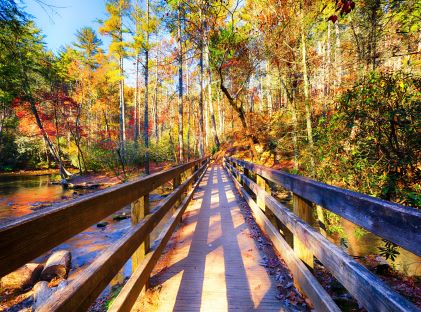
139 210
304 210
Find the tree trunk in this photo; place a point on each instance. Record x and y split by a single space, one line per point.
189 109
338 65
240 112
146 111
220 114
155 122
136 100
180 89
306 99
54 152
122 119
201 130
210 102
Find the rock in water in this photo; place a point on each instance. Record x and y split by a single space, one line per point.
22 278
41 293
58 265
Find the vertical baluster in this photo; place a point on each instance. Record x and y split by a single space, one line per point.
264 185
140 209
304 210
176 182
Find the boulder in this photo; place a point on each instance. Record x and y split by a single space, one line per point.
58 265
102 224
383 267
21 279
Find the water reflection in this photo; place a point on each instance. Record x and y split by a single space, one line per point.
21 195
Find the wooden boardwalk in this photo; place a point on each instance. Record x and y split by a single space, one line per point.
212 263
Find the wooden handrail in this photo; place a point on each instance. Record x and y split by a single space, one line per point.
369 290
86 287
131 290
302 275
25 238
396 223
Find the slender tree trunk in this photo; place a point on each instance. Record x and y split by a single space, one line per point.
146 111
54 152
220 114
201 130
210 102
328 66
294 133
136 100
155 122
180 89
338 65
122 119
306 97
268 89
189 109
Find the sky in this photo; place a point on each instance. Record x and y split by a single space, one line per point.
60 19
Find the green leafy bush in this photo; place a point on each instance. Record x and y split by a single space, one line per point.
372 144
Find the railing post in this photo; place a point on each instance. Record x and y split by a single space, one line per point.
304 210
176 182
262 183
140 209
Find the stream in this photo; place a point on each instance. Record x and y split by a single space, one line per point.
22 195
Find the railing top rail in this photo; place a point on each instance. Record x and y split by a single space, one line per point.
394 222
28 237
370 291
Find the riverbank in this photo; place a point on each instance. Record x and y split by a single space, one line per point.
29 172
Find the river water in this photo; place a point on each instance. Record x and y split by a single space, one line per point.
21 195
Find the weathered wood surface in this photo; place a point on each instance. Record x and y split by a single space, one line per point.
215 264
396 223
28 237
302 276
131 290
369 290
86 287
304 210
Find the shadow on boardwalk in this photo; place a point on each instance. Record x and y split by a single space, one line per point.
216 261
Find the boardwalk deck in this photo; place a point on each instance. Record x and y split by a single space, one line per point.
212 263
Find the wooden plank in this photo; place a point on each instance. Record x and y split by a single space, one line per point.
302 276
85 288
396 223
304 210
214 262
131 290
368 289
28 237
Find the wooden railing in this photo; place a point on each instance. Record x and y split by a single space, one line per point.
28 237
396 223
